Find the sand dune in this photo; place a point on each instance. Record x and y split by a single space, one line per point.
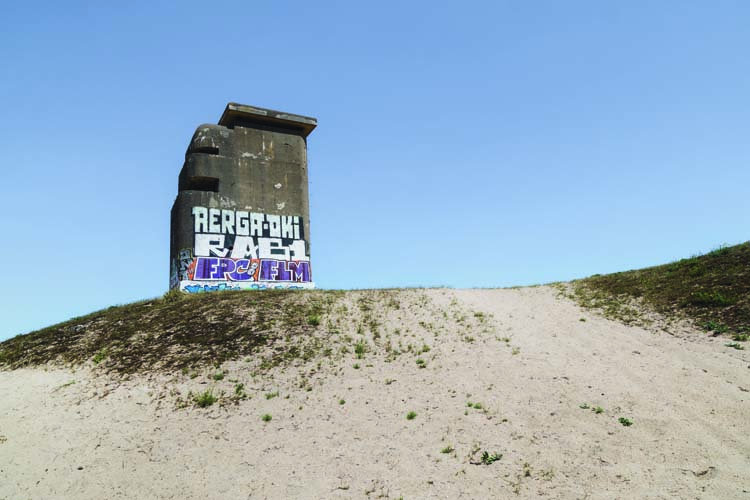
503 371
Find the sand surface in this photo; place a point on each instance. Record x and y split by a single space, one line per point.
340 431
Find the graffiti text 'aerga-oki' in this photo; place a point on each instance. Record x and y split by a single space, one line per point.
241 218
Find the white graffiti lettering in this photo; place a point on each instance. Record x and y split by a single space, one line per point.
207 244
214 220
201 219
243 223
244 248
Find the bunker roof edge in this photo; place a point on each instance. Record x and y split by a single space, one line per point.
243 115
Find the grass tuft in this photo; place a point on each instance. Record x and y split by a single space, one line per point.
313 320
205 399
360 348
100 356
271 395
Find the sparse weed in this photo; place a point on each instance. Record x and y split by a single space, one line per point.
271 395
66 384
100 356
584 406
218 376
715 326
411 415
266 417
490 458
205 399
722 249
447 449
172 295
239 390
713 298
625 421
526 469
360 348
313 320
598 410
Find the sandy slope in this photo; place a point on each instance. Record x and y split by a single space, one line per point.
528 359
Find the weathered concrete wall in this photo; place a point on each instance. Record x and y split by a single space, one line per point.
241 217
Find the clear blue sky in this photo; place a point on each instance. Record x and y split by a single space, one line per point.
474 144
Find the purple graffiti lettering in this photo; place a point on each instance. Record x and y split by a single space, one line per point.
280 270
300 271
218 268
240 269
244 270
282 274
268 269
203 267
213 268
224 267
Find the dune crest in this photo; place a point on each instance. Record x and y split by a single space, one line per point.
436 393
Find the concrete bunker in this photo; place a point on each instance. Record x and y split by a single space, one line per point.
241 217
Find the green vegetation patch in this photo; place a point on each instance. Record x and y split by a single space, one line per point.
181 331
490 458
712 289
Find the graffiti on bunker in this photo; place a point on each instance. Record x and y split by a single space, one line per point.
236 249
